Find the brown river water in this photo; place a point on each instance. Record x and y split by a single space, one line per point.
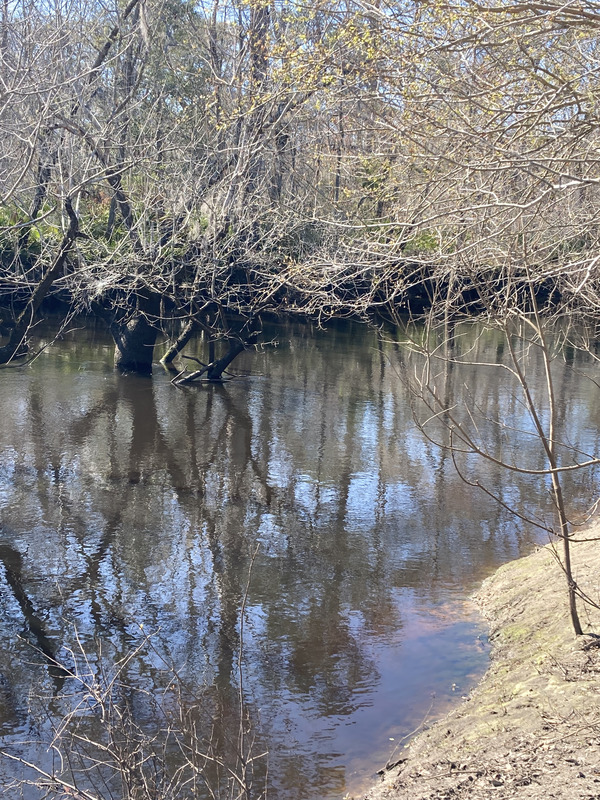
299 498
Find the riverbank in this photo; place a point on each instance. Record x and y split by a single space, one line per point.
531 728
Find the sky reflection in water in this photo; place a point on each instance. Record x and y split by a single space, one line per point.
134 503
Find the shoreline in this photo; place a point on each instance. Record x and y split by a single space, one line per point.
531 727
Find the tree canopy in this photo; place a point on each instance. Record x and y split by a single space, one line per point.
169 165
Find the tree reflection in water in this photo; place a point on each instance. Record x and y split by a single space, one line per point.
131 503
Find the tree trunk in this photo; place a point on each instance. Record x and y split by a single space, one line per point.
177 346
134 342
214 371
217 368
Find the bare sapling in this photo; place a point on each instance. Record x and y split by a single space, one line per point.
459 419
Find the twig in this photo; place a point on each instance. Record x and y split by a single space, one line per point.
68 787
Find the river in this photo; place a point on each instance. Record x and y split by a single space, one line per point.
300 498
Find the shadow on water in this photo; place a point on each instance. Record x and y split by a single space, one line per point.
13 569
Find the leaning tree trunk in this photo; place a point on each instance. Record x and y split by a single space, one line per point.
217 368
177 346
214 371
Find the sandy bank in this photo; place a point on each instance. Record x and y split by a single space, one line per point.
531 728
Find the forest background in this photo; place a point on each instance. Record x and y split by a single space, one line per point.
172 166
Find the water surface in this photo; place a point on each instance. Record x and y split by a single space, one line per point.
302 492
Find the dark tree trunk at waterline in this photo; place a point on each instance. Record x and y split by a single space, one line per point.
134 345
214 371
217 368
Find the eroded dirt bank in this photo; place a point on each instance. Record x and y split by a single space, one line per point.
531 729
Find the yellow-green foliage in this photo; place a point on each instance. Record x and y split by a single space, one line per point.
95 219
424 242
